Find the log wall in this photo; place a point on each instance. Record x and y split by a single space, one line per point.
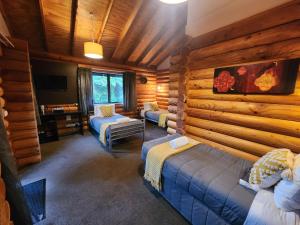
244 125
145 92
162 90
18 101
4 205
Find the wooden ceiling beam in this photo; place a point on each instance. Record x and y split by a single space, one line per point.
127 26
41 9
73 24
149 33
91 62
100 34
174 43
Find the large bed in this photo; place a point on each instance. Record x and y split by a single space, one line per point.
202 183
115 131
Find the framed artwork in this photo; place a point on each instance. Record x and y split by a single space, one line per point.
264 78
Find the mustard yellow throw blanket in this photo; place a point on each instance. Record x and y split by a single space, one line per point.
156 158
162 120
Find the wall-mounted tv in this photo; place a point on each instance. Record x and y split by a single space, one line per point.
52 82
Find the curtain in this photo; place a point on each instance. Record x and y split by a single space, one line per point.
84 77
129 79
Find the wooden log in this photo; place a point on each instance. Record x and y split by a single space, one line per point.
200 84
201 74
258 136
26 152
25 143
232 151
2 102
19 106
272 35
173 85
163 95
274 99
172 124
172 116
1 91
173 93
233 142
24 125
162 103
172 109
11 75
13 54
6 123
286 127
21 116
173 101
174 77
29 160
171 130
286 112
2 190
289 49
23 134
8 64
18 96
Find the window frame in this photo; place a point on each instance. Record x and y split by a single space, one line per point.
108 76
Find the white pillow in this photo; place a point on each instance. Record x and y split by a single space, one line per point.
287 195
296 170
179 142
97 110
123 120
147 106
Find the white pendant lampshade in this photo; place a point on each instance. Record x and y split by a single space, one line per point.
173 1
93 50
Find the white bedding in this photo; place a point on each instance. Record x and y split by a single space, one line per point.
264 212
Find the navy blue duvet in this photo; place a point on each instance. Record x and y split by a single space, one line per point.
202 183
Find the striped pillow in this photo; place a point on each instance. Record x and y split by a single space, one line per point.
267 170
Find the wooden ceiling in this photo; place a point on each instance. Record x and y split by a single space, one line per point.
134 32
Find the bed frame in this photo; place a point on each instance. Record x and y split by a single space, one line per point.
122 130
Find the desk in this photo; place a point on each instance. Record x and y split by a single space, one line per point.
55 125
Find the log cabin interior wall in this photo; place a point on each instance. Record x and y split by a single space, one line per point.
162 89
18 101
245 125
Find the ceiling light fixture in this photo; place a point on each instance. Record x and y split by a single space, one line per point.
173 1
93 49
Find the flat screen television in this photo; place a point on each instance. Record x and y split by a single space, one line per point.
51 82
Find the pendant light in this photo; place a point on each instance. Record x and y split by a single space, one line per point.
93 49
173 1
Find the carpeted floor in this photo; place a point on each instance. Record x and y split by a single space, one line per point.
88 186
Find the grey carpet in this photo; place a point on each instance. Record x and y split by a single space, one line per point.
88 186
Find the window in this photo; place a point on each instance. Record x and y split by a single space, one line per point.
107 88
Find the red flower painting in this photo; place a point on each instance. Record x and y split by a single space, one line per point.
277 77
224 81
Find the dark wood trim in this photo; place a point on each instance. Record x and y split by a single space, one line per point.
73 24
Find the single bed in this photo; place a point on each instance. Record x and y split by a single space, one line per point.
154 115
202 183
115 131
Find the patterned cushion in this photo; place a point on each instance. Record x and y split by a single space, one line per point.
154 106
106 110
267 170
